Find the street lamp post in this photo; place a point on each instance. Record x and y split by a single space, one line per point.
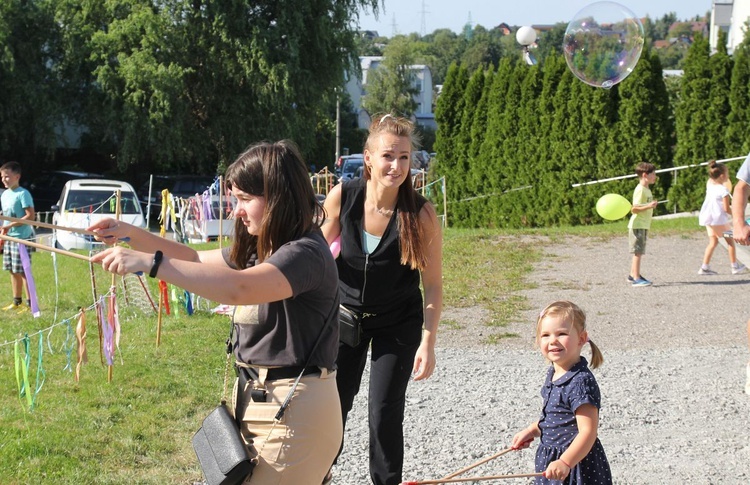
338 127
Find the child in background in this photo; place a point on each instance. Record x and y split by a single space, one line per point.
715 215
569 448
640 222
16 202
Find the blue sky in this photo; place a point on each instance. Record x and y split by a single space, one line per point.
454 14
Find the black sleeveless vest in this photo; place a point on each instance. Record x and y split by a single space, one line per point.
377 283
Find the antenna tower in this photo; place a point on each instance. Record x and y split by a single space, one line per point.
423 13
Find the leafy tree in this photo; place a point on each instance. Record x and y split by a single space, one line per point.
648 29
370 47
484 49
32 100
662 25
472 97
691 119
680 30
550 42
529 144
737 141
444 47
390 87
448 114
186 85
719 106
643 130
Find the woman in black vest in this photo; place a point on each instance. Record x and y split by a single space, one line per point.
390 236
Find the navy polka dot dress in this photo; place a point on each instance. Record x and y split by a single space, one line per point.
558 426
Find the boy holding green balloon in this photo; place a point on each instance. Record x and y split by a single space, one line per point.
640 221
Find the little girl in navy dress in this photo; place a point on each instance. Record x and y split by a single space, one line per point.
569 451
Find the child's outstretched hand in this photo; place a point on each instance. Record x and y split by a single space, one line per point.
557 470
523 439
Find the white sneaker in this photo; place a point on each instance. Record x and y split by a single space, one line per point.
739 269
707 271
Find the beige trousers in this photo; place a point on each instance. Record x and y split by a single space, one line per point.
300 448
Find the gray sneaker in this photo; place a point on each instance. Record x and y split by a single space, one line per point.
707 272
739 269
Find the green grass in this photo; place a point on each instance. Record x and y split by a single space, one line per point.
137 428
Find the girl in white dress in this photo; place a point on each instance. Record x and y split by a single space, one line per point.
715 215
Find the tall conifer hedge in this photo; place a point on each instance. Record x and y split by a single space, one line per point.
513 141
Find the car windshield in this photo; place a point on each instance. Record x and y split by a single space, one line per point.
100 202
351 166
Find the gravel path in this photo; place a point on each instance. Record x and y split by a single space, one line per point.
673 406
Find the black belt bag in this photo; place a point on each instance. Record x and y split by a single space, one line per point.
350 326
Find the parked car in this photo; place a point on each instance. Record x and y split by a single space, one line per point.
350 167
46 187
86 201
420 160
339 165
182 186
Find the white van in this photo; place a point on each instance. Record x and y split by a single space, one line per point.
86 201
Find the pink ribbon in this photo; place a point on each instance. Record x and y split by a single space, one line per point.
108 347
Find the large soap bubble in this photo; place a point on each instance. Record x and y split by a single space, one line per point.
603 43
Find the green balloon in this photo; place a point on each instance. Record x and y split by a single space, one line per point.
613 206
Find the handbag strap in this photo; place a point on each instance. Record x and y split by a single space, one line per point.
226 367
288 398
238 405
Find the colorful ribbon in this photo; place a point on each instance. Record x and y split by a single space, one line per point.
81 338
22 370
188 303
164 295
26 263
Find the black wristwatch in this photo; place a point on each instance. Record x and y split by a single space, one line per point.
158 256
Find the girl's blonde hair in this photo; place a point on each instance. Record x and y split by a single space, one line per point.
411 234
571 311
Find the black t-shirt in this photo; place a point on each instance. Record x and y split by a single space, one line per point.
282 333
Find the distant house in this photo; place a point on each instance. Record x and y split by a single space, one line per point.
504 28
357 88
728 16
693 28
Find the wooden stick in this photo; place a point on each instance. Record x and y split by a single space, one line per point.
221 210
158 318
480 462
47 225
473 479
117 217
44 248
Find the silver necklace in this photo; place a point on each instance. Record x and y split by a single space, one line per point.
384 212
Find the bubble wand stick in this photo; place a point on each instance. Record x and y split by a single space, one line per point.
480 462
473 479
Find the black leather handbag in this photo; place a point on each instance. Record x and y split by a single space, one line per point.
221 450
350 326
218 443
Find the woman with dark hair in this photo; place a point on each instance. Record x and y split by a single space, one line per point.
280 274
389 238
